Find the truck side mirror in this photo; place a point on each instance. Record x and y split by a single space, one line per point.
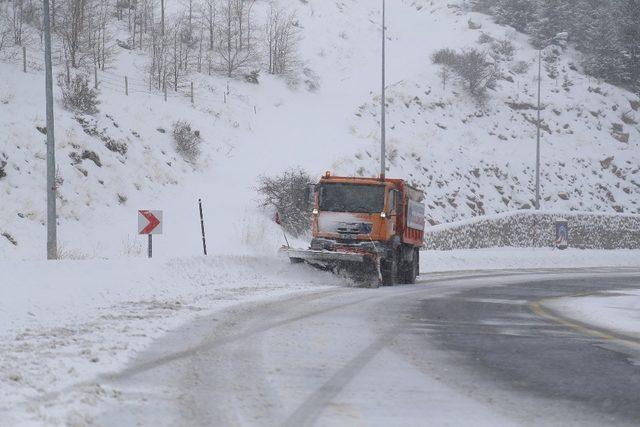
311 194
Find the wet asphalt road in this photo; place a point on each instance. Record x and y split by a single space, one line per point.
456 349
498 334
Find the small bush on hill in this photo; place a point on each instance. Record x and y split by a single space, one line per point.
446 57
187 141
117 147
472 66
77 95
289 194
503 50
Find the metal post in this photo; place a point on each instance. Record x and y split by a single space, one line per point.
24 59
538 137
192 93
383 124
52 235
150 246
95 78
204 238
126 85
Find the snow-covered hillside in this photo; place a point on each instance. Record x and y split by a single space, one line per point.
470 159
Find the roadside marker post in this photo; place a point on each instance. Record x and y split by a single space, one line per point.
150 223
204 238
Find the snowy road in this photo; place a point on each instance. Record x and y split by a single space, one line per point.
450 350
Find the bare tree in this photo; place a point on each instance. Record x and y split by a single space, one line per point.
162 27
281 38
234 55
71 29
476 71
208 12
99 37
17 20
5 30
158 69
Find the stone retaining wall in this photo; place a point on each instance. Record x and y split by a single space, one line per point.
537 229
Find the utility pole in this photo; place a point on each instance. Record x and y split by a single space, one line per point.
538 138
383 121
52 235
560 37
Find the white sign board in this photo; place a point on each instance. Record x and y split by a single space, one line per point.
149 222
416 218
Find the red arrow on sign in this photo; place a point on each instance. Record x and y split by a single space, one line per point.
153 222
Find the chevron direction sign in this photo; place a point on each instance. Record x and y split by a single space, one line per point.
149 222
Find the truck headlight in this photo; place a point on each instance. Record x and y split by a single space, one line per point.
383 215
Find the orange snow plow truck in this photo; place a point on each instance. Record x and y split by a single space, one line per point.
371 228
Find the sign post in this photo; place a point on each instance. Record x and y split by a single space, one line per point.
150 223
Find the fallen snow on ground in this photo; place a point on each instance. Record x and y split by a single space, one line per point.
521 258
64 323
617 311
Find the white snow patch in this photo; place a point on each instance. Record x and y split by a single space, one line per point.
524 258
67 322
617 311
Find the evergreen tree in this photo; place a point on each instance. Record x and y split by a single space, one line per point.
603 58
517 13
551 17
629 40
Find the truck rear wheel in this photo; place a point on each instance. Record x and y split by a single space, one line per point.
411 270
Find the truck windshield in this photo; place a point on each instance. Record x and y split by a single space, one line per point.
352 198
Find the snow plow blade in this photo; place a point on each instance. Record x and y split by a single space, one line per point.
363 268
298 255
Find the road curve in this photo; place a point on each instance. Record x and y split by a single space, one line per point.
469 348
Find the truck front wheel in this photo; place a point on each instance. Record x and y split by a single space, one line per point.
389 269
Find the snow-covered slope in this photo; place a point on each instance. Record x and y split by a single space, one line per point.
478 158
471 159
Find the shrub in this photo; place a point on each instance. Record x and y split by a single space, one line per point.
503 49
520 67
187 141
253 77
91 155
472 67
117 147
77 95
288 193
485 38
476 71
447 57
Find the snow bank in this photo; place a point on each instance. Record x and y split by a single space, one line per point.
537 229
523 258
617 311
84 318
